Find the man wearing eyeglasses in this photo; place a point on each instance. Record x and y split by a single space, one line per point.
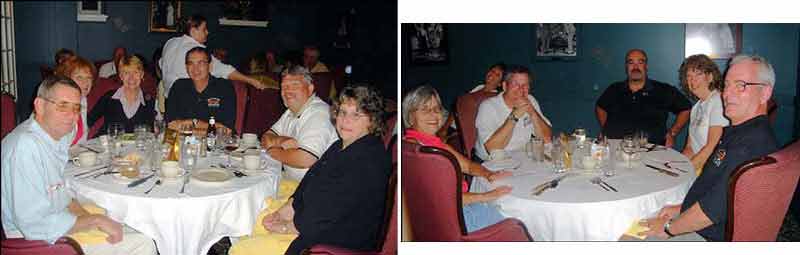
36 204
641 104
507 121
304 131
703 214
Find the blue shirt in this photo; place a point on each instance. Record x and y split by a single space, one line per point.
34 198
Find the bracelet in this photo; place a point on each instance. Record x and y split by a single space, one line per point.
512 117
666 228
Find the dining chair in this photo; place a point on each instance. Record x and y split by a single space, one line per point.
466 112
772 111
759 194
20 246
9 114
387 132
322 85
432 182
388 231
241 104
101 87
264 108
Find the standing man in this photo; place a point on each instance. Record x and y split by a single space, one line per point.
110 68
507 121
704 212
195 34
641 104
304 131
36 204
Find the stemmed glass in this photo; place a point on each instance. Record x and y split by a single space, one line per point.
629 147
231 142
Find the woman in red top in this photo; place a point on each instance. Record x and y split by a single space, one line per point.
422 117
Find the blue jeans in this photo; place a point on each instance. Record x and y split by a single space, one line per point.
480 215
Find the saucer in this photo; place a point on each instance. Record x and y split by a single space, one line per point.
171 179
211 176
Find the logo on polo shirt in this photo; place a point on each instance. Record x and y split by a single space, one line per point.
719 156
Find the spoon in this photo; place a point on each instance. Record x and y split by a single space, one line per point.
158 182
596 180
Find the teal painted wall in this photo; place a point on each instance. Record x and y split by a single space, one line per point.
567 90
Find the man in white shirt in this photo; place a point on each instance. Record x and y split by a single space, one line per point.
304 131
173 60
110 68
507 121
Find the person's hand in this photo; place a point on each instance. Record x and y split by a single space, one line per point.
269 141
110 227
697 164
271 221
498 192
521 107
493 176
289 143
670 140
669 211
258 84
656 226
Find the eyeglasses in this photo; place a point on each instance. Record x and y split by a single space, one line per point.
429 110
741 85
352 116
65 106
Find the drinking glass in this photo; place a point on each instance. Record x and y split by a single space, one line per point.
580 136
538 149
557 154
629 147
642 139
189 153
115 130
231 143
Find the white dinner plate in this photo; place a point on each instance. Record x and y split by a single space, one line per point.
212 176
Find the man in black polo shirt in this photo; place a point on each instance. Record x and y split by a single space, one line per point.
748 87
641 104
189 98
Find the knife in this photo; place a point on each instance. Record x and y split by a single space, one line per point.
90 170
89 148
551 184
667 172
140 181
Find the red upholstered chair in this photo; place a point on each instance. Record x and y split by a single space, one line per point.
101 87
466 112
264 108
241 104
432 182
772 111
20 246
149 85
9 115
388 233
759 195
390 125
322 85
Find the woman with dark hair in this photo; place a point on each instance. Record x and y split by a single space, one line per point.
341 199
702 80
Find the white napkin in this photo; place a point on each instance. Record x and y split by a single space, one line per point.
505 164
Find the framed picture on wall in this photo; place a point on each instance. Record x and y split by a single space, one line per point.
165 16
90 7
556 40
428 43
716 40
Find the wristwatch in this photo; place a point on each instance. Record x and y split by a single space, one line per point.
512 117
666 228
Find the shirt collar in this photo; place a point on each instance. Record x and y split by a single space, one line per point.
61 144
310 99
120 95
745 125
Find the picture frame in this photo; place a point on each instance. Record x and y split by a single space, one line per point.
90 7
716 40
164 16
556 40
428 43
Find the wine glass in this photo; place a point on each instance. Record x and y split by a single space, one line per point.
231 143
629 147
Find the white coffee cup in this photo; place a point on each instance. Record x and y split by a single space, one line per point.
85 159
498 155
253 162
170 169
249 139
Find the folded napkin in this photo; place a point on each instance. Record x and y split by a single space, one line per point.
285 190
496 165
93 236
635 229
261 241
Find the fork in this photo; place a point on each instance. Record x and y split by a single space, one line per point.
666 164
596 180
236 173
158 182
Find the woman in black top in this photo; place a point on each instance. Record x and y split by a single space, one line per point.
126 105
341 199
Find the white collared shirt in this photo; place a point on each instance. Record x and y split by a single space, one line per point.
173 61
492 113
107 69
131 109
311 127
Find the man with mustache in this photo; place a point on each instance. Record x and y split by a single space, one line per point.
641 104
704 211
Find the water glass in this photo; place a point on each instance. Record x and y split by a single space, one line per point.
629 147
115 130
538 149
189 153
557 154
642 139
580 136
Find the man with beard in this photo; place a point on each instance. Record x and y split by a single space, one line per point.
641 104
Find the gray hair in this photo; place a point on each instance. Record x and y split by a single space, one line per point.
766 73
415 99
48 84
298 70
515 69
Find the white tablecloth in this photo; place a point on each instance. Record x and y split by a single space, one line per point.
578 210
187 223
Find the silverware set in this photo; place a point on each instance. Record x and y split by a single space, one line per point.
236 172
599 182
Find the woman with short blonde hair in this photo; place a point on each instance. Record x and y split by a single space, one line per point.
127 105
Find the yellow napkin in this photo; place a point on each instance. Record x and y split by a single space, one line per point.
93 236
262 241
635 229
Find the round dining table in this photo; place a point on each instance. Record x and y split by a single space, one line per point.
579 210
180 223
